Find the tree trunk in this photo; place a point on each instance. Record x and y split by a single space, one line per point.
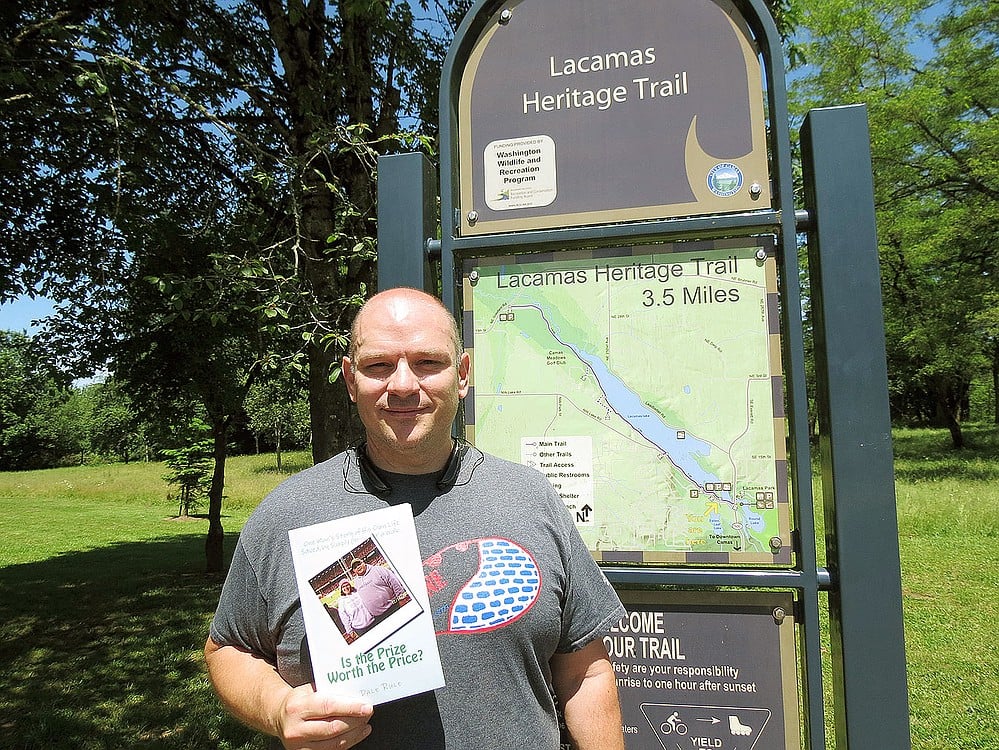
956 435
277 444
214 547
334 274
995 384
333 282
947 411
331 414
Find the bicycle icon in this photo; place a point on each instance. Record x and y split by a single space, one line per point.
673 725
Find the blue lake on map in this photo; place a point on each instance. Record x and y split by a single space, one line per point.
683 452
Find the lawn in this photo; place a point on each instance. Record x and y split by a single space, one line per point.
104 608
104 603
948 510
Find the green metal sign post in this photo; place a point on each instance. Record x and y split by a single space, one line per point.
618 238
856 451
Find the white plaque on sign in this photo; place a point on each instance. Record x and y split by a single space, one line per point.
568 464
520 173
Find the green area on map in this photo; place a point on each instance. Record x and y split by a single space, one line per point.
642 386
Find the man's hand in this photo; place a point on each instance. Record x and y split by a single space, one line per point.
301 718
307 719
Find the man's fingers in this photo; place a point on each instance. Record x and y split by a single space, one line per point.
329 734
334 726
343 740
328 707
323 721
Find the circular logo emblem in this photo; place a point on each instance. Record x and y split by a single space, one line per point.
725 179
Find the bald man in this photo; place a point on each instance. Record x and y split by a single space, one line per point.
528 651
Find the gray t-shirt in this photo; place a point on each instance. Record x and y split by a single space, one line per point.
496 631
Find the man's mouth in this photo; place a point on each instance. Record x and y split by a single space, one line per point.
405 410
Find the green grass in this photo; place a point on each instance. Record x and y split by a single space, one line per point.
948 511
947 505
104 608
104 604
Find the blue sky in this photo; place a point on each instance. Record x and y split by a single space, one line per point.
18 315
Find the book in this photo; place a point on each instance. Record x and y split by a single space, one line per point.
366 606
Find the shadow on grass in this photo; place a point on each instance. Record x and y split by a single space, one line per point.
103 649
287 468
927 455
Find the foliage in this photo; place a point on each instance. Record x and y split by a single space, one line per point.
38 424
144 125
935 147
189 469
278 408
45 422
195 333
116 431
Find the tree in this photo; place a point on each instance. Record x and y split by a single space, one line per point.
935 147
40 420
192 332
189 469
988 322
116 431
279 408
251 99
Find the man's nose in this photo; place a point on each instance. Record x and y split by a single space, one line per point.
403 381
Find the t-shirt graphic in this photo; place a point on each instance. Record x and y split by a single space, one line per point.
480 585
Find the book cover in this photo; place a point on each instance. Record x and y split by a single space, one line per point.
366 607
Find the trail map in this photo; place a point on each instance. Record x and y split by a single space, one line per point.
646 384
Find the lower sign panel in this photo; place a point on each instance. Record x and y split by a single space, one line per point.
710 670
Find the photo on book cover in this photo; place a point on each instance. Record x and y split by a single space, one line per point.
365 596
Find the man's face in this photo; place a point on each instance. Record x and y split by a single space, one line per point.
359 569
406 382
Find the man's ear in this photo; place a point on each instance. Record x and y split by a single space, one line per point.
347 368
464 370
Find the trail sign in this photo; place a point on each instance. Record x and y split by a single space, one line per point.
706 670
589 111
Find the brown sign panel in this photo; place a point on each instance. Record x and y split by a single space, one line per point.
710 670
592 112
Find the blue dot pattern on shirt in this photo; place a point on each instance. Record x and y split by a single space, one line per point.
505 586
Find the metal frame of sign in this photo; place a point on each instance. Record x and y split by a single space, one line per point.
714 669
604 428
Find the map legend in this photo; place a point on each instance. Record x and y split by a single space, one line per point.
568 464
